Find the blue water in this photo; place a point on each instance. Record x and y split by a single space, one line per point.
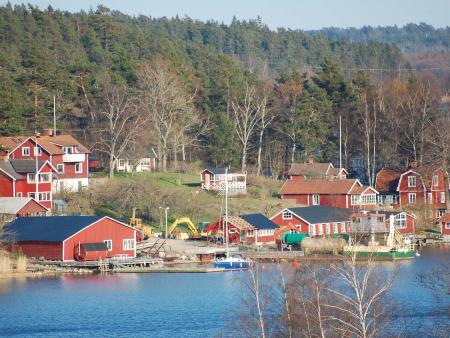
166 305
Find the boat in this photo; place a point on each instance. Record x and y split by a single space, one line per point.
235 261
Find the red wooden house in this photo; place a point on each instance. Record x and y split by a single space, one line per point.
249 228
27 178
13 207
422 186
65 153
315 220
344 193
378 222
312 170
68 238
444 223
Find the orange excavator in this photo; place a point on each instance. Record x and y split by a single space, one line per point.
281 230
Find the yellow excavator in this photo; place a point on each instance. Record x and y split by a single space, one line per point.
137 223
195 234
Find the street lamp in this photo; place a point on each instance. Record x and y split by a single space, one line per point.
166 209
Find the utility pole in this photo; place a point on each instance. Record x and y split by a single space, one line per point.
54 115
340 142
166 209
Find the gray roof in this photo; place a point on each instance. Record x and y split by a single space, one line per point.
24 166
9 169
322 214
12 205
219 171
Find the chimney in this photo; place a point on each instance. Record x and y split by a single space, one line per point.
47 132
310 160
413 164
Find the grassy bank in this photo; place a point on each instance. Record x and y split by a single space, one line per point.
181 192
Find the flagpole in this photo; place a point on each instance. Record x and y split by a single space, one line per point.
36 178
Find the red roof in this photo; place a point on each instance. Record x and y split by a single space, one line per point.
387 179
324 187
309 169
445 217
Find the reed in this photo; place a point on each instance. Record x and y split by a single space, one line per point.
5 262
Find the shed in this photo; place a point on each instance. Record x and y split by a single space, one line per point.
57 237
13 207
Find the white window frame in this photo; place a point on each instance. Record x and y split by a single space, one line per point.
126 244
430 198
286 214
447 225
59 165
412 181
27 151
79 171
400 220
335 228
68 150
316 199
320 229
45 196
37 151
29 180
250 233
109 244
412 200
45 174
32 195
435 180
312 229
442 196
356 199
441 213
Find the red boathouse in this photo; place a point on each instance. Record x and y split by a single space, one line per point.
69 238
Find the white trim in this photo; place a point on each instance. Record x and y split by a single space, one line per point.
23 152
409 172
128 239
351 188
7 174
108 240
63 168
78 171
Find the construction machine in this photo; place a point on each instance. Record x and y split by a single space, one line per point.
137 223
195 233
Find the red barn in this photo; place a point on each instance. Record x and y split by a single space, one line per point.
13 207
60 237
444 223
315 220
344 193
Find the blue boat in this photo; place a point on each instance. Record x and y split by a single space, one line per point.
235 262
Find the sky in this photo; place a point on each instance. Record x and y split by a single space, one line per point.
293 14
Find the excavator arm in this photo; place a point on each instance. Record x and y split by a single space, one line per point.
183 220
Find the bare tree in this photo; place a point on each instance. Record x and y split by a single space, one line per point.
246 117
265 119
118 122
168 107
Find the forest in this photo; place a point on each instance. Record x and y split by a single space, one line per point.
239 94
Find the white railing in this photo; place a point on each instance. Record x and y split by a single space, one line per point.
74 157
233 185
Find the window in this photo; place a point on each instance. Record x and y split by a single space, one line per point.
31 178
328 229
68 150
79 167
121 163
430 198
441 213
19 194
45 196
335 226
44 178
26 151
435 180
316 199
250 233
37 151
447 225
411 181
400 220
369 199
32 195
287 215
320 229
312 230
356 199
108 243
128 244
60 168
442 197
412 198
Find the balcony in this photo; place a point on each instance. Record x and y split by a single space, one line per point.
74 157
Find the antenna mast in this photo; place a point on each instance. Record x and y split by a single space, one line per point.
54 115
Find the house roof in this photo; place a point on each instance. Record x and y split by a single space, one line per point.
259 221
427 172
49 229
219 171
6 167
238 222
322 214
23 166
445 217
358 190
12 205
291 187
387 179
52 144
309 169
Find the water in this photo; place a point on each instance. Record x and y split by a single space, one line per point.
166 305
